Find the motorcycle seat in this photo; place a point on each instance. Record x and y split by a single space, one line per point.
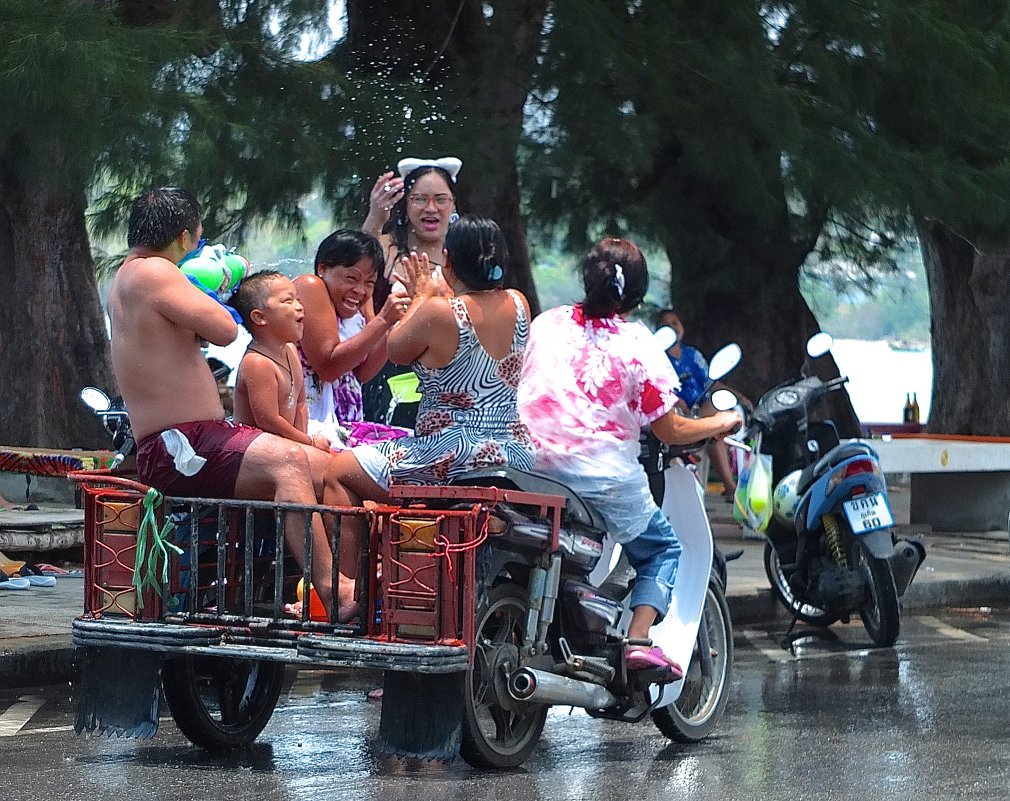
835 456
576 509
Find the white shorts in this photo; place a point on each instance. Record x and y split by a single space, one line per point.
374 463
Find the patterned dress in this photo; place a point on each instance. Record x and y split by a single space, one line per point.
468 416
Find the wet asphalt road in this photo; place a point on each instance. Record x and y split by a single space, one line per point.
822 717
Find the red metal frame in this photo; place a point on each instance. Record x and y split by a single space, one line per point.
427 557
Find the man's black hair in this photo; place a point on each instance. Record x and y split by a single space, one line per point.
159 215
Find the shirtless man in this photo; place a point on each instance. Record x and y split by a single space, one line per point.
185 446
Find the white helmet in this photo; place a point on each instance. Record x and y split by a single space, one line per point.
785 499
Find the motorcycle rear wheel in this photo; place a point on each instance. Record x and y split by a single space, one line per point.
495 736
880 613
702 699
808 613
221 703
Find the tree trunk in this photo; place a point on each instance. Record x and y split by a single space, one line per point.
54 340
493 114
735 278
772 323
483 67
969 294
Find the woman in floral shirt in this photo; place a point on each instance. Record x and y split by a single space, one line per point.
590 381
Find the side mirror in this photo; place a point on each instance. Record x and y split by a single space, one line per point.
94 398
819 344
724 400
725 359
665 337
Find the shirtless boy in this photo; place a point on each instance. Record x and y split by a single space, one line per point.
270 389
158 322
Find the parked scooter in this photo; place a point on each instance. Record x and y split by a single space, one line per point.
831 550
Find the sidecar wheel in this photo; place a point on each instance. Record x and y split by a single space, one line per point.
221 703
812 615
497 733
703 698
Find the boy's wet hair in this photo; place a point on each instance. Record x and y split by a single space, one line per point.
252 293
477 252
159 216
609 291
346 247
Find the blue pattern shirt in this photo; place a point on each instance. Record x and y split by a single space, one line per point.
692 370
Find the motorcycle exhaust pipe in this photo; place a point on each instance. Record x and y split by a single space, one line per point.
904 562
539 687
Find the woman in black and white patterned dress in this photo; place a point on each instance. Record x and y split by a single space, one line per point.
464 336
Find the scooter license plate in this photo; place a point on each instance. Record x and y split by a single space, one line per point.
868 513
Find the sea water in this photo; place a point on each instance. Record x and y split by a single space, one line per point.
879 378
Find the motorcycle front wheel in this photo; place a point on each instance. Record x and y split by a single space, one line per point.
880 613
498 732
812 615
221 703
705 691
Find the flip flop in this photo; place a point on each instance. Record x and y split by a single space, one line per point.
52 570
34 575
648 658
8 583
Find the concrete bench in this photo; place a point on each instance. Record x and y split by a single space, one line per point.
958 483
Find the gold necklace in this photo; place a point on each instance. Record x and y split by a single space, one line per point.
287 368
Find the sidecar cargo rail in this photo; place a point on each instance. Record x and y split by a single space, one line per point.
210 576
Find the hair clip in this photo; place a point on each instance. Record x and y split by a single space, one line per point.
617 282
496 273
450 164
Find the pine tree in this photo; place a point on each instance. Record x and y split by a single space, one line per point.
750 138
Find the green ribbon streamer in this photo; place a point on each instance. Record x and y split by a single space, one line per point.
146 569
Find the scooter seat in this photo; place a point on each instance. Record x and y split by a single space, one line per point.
836 455
576 509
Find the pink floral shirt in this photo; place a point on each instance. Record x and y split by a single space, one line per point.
588 386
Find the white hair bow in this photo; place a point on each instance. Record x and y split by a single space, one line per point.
448 163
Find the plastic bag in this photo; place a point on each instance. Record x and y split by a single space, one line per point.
758 502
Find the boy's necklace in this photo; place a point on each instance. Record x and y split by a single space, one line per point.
287 368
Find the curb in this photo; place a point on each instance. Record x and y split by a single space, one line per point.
754 608
28 661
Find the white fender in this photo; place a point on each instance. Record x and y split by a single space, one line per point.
684 507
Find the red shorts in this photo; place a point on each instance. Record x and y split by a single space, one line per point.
221 443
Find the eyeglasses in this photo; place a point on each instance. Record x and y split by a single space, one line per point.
441 201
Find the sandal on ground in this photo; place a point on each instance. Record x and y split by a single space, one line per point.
34 575
8 583
649 658
52 570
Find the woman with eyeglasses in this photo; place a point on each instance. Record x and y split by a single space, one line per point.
409 212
